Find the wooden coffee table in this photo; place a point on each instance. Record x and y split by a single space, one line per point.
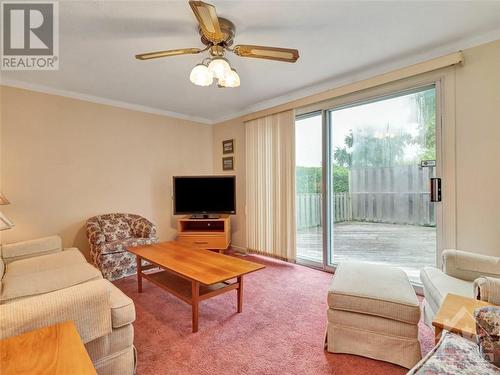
56 350
192 274
456 315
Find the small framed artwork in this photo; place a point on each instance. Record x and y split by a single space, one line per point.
228 164
228 146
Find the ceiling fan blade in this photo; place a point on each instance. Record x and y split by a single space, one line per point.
269 53
208 20
171 52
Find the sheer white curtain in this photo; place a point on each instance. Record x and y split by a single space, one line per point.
270 185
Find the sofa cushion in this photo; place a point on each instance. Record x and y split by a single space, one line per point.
119 339
122 308
122 363
44 274
437 285
45 262
115 227
86 304
374 289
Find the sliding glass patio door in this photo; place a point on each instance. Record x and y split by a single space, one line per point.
363 182
383 159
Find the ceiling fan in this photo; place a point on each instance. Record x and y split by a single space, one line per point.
217 35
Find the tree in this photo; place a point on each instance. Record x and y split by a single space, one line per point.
425 102
342 156
309 179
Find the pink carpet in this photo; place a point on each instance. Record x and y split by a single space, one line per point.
280 331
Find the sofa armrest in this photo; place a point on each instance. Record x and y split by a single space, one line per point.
469 266
87 305
31 248
143 228
487 289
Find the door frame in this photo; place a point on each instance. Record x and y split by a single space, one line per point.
444 83
303 261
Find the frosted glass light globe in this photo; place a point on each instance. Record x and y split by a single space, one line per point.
232 79
219 67
201 76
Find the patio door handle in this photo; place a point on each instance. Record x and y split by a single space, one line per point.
435 189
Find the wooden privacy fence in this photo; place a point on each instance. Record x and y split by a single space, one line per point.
309 209
396 195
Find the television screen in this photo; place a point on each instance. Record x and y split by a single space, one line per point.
204 195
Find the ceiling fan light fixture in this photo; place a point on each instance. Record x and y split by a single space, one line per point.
219 67
232 79
201 75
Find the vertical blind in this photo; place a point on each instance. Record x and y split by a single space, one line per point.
270 185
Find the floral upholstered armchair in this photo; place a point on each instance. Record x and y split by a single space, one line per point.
109 236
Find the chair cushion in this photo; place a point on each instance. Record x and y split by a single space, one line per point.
120 246
44 274
115 227
374 289
437 285
122 308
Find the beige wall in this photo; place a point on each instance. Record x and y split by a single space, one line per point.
65 160
233 130
478 150
477 145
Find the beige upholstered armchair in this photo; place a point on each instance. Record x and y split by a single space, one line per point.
466 274
44 284
109 236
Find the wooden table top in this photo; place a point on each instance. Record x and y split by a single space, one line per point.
204 266
456 314
55 350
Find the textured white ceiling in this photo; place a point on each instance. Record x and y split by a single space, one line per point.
338 42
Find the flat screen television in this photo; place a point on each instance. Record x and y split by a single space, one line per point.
204 196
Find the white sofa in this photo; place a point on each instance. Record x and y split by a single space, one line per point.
461 270
42 284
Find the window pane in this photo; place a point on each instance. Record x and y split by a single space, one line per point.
309 182
381 206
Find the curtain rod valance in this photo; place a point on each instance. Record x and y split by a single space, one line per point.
392 76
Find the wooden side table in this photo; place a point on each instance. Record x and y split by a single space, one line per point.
456 315
55 350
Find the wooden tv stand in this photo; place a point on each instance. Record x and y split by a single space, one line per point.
210 234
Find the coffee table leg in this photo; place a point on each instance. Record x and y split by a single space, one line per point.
240 294
139 273
195 295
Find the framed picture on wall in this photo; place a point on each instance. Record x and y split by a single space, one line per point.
228 163
228 146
